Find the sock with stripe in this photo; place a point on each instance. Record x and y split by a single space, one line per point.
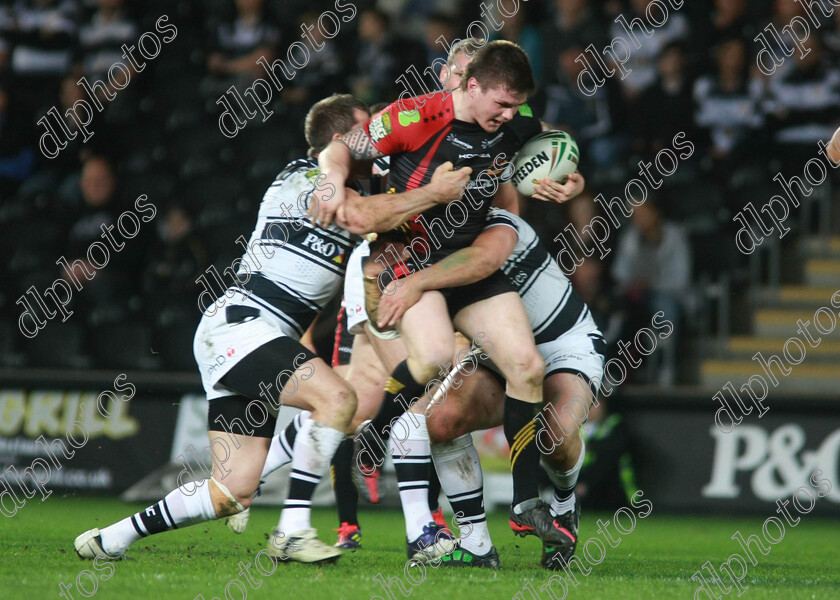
400 392
346 494
179 508
314 446
412 463
280 450
459 469
564 484
520 431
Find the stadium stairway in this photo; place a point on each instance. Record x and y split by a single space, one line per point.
774 316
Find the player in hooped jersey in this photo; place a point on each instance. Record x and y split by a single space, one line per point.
466 127
251 361
569 341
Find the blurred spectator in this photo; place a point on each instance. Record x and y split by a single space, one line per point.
40 35
783 13
382 58
652 272
107 294
519 30
438 26
729 109
238 44
730 20
831 39
93 201
801 107
322 75
588 119
376 58
17 154
101 37
575 23
175 259
642 61
667 107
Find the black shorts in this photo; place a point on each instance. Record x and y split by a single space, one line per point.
249 412
458 298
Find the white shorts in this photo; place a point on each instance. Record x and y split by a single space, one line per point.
576 351
354 290
218 346
573 352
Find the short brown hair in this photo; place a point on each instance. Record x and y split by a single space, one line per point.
501 64
328 116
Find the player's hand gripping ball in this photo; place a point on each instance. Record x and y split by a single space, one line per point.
553 154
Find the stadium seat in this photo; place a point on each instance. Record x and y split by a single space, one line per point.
9 335
711 257
58 345
175 345
699 208
125 345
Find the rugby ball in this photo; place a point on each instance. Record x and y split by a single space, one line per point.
553 154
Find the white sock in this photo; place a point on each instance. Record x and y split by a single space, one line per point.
280 449
461 479
314 447
564 484
178 509
412 462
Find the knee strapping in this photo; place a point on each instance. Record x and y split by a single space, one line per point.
224 489
566 479
456 447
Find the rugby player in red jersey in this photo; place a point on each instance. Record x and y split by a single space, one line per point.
468 128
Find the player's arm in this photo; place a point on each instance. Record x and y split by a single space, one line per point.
484 257
336 162
383 212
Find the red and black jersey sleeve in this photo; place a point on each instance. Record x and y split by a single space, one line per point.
406 125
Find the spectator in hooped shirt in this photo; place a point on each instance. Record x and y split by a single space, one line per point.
801 105
237 45
642 61
101 38
667 106
728 109
39 36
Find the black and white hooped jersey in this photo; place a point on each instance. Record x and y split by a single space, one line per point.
295 266
551 302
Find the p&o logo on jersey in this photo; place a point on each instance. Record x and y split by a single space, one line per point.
316 244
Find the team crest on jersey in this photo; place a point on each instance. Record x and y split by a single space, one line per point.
380 127
312 173
407 117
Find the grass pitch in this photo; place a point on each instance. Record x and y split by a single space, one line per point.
655 561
